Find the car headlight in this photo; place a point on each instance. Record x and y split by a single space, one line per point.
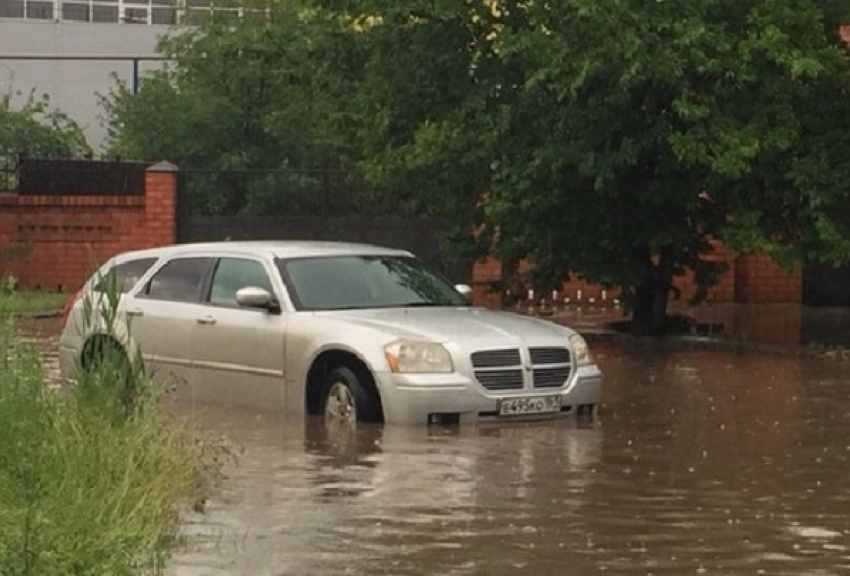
418 357
581 352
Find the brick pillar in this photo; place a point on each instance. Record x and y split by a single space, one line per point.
484 273
161 204
758 279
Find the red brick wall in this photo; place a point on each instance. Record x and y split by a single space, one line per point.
64 238
484 273
749 278
759 279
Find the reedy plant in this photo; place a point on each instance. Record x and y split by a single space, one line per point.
92 481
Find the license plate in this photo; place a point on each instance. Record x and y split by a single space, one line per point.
529 405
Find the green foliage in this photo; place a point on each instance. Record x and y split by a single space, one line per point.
253 97
90 482
31 301
8 285
616 139
34 129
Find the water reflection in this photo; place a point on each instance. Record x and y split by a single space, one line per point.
786 325
735 454
702 462
385 500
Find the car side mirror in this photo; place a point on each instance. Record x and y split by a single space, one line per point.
254 297
465 290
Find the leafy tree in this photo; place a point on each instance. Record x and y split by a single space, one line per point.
616 139
35 129
619 138
247 96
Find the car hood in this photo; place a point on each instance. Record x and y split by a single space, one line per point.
453 324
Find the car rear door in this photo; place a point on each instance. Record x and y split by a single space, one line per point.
238 352
162 312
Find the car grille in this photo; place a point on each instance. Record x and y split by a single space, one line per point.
550 356
500 379
500 370
551 377
496 358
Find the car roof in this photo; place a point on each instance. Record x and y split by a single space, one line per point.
277 248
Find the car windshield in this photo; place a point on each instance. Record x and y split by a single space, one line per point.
357 282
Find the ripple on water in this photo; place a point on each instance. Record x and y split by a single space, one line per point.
714 463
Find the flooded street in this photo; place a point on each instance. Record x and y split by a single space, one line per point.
701 462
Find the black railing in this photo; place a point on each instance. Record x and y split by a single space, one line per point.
306 189
8 174
62 177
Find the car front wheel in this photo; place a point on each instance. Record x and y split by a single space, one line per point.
346 399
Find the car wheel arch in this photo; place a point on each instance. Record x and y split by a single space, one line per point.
96 342
325 362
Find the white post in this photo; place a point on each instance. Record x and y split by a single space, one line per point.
180 10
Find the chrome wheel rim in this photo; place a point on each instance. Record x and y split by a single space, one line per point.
340 406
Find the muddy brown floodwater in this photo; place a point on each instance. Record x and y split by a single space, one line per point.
701 462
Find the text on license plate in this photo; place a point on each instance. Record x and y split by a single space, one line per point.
529 405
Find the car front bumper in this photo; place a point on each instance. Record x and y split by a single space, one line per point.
427 398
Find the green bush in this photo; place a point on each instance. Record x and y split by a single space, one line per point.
8 285
92 480
27 302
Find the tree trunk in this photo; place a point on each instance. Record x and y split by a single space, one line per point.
649 310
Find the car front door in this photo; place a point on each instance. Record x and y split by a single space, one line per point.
238 352
161 315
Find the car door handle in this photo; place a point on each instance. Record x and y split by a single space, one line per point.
207 320
135 312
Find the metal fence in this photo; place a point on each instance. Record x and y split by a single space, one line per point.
64 177
8 174
317 189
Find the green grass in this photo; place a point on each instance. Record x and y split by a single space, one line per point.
91 481
28 302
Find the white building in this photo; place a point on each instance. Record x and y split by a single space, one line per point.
72 50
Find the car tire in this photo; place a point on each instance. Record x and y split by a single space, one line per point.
99 349
102 352
346 398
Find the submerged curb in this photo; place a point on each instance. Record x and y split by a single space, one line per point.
35 315
689 342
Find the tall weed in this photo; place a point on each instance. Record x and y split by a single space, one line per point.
91 481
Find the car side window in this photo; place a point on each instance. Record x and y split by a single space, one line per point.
180 280
231 274
124 276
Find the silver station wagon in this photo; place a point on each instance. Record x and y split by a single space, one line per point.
352 332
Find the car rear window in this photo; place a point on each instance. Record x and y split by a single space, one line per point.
124 276
179 280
